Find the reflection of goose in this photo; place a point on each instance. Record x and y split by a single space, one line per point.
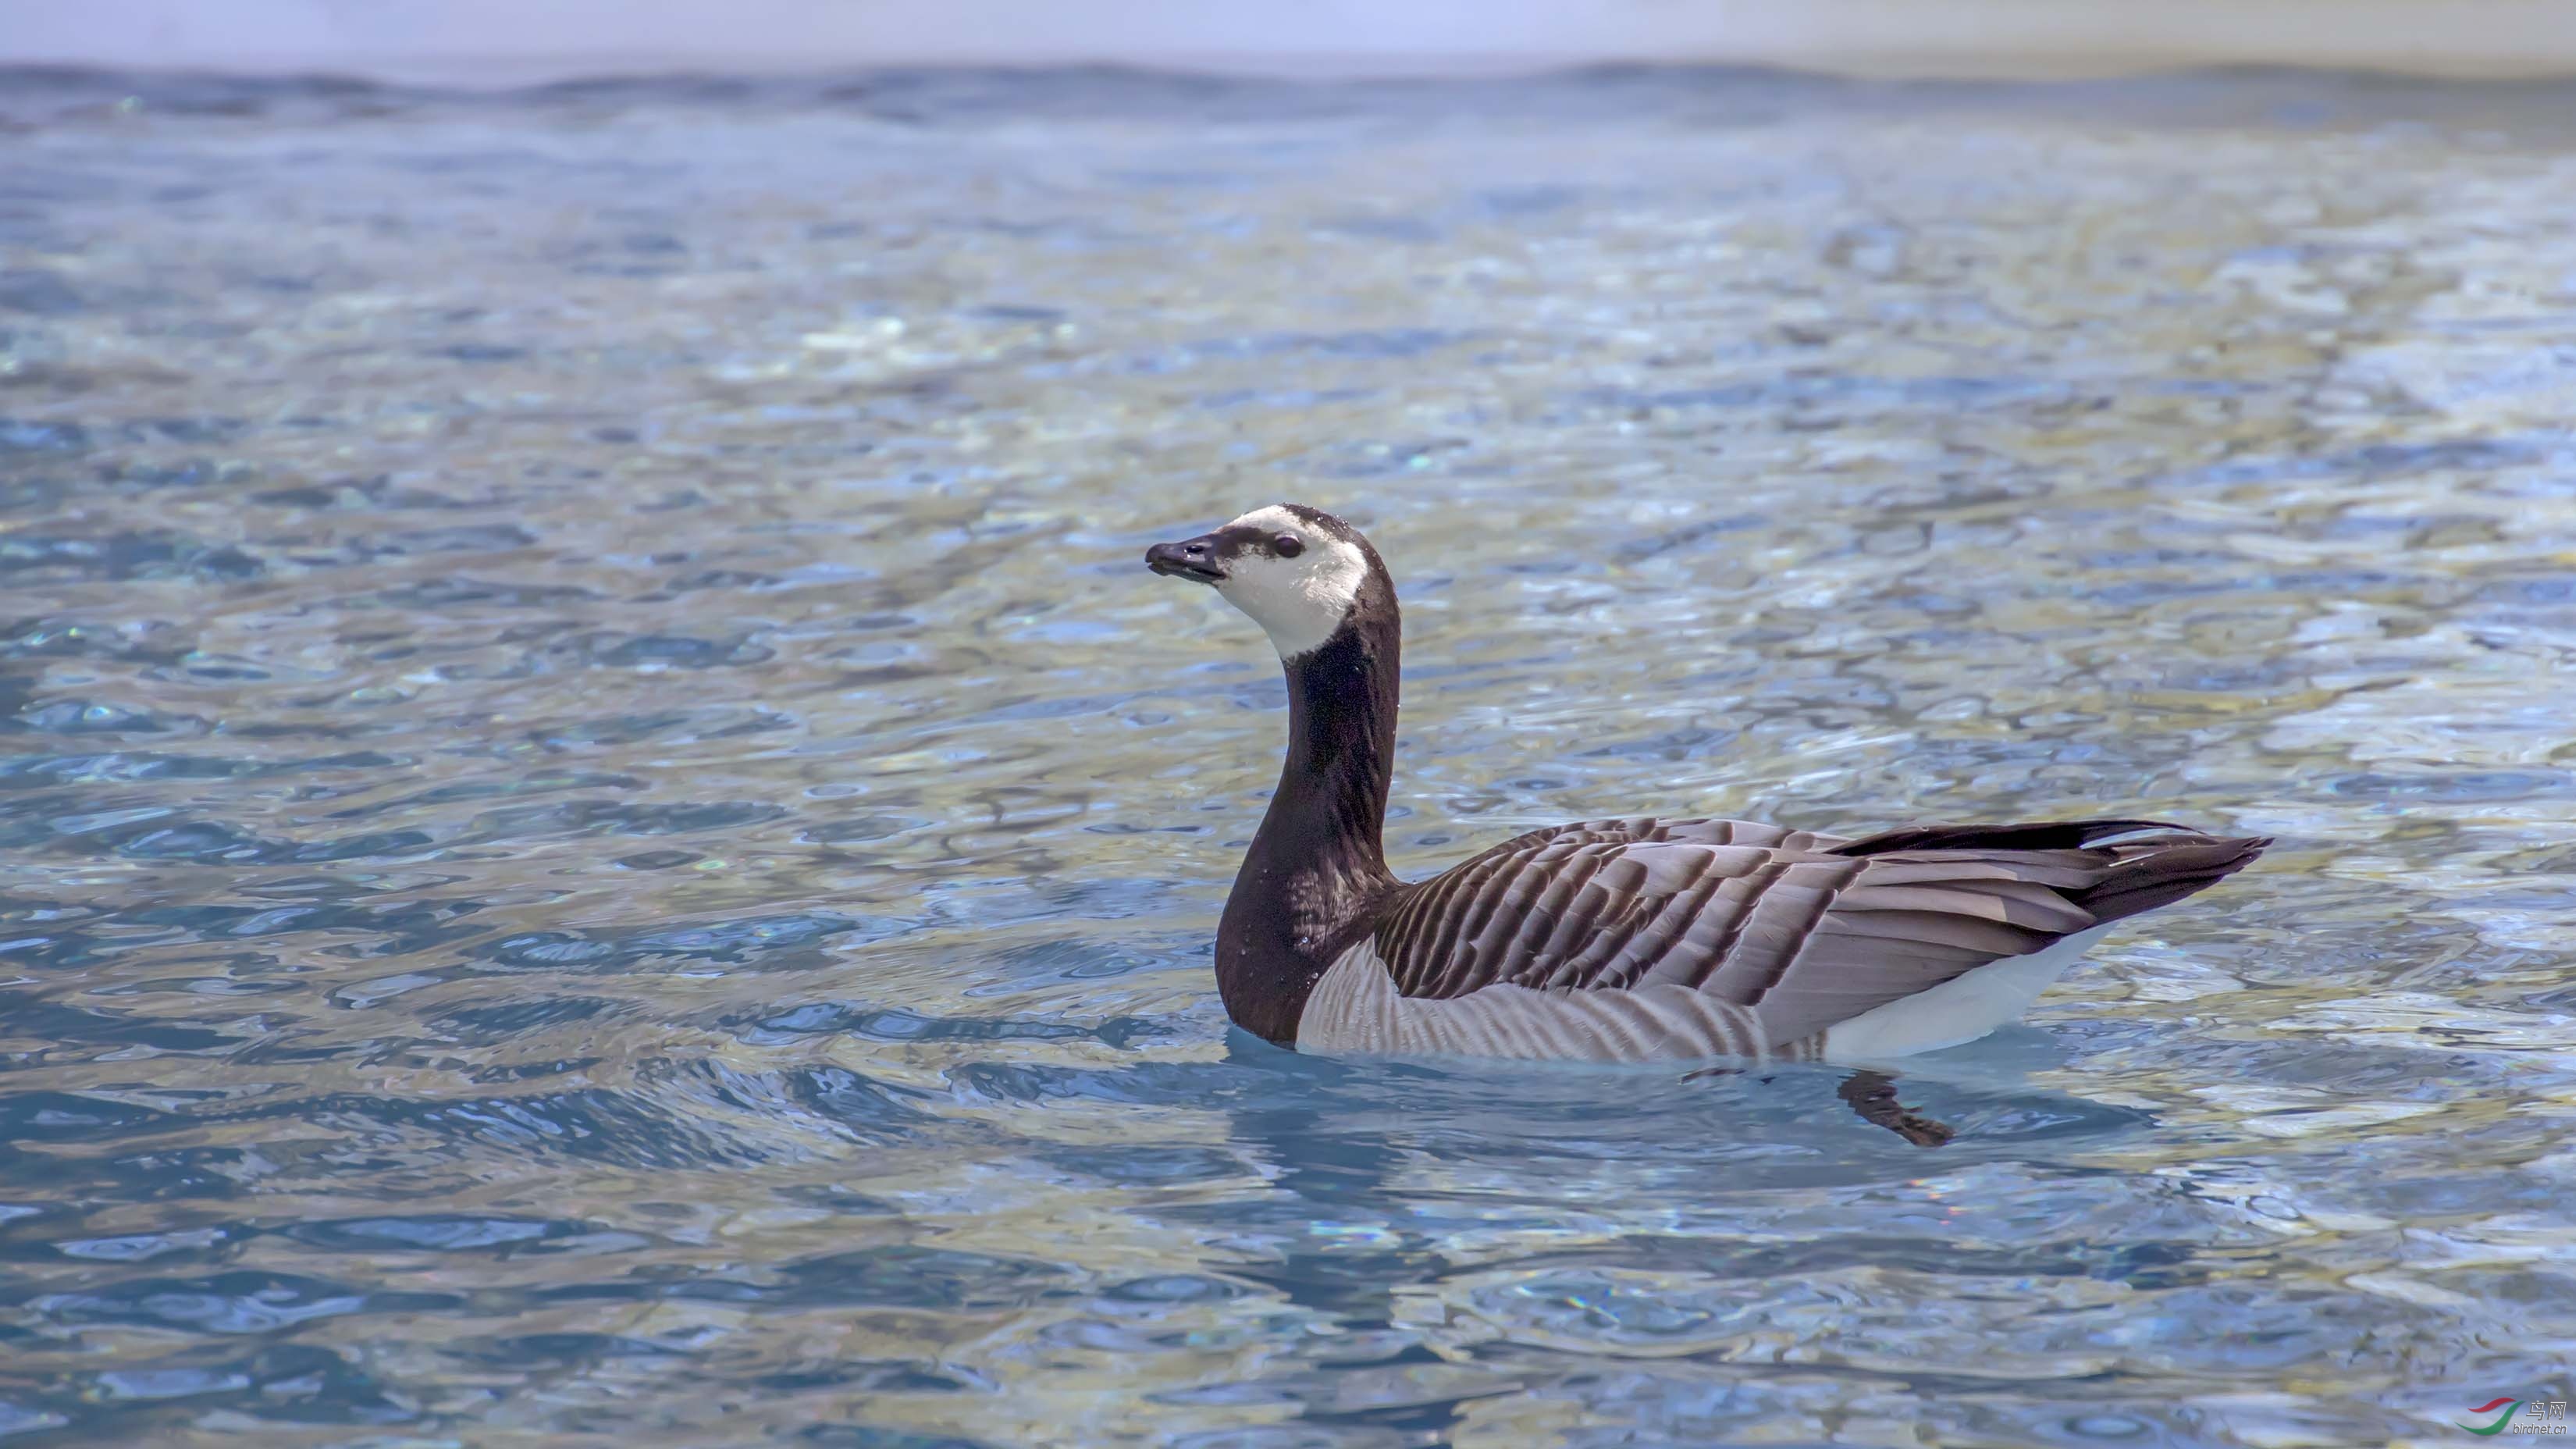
1619 939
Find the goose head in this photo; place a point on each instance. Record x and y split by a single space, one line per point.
1302 574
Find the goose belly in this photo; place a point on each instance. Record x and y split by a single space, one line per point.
1959 1010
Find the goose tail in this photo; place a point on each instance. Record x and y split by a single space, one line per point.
2164 869
2141 873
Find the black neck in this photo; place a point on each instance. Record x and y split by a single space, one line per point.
1310 884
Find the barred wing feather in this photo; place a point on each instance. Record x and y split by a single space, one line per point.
1773 935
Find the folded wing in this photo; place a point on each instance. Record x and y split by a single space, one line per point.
1777 934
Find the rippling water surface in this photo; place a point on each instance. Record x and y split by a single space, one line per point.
606 842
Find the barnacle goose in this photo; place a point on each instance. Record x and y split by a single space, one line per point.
1628 939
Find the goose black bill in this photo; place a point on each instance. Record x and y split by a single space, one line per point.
1191 558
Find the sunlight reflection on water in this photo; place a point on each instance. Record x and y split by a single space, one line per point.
606 838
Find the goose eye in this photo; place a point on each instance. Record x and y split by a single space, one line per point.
1288 545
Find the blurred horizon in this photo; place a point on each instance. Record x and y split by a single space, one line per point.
489 42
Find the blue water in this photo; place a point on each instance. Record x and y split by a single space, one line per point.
606 841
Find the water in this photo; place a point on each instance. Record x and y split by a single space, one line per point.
608 843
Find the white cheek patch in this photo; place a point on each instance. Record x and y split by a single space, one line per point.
1298 601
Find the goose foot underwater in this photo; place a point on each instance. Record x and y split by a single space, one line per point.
1629 939
1872 1098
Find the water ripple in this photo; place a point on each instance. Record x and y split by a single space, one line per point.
606 839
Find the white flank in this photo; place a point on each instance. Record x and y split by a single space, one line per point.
1959 1010
1299 601
1355 1009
